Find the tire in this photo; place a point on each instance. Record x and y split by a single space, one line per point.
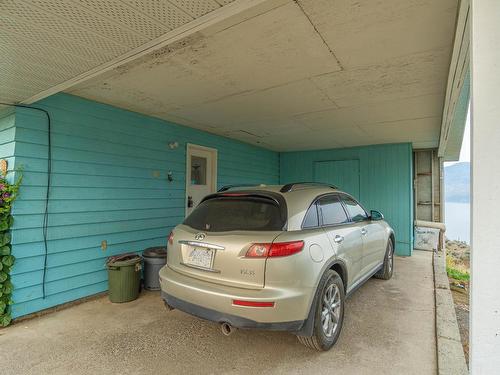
387 270
331 288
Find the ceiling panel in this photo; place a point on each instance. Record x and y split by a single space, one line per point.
378 112
408 76
373 32
421 132
285 100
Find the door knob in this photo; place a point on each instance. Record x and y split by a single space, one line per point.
190 201
363 231
338 239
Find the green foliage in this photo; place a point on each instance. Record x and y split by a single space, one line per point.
5 250
5 239
8 260
457 274
5 320
8 193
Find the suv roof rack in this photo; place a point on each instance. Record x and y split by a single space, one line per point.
227 187
289 187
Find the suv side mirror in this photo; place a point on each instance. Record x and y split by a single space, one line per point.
376 215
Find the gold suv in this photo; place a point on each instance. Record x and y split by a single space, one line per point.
276 257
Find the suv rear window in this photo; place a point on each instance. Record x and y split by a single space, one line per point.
223 214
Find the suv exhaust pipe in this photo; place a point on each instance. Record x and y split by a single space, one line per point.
167 306
226 329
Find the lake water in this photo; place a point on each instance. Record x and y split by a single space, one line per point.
457 220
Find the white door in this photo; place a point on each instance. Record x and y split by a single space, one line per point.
201 174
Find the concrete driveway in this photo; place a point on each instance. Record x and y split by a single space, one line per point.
389 329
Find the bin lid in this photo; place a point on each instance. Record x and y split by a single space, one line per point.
155 252
121 260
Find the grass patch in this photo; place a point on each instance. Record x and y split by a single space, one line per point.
456 270
457 274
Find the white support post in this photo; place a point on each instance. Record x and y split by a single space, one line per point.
485 116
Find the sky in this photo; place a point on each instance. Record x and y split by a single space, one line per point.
465 150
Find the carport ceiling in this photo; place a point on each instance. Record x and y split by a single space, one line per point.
290 75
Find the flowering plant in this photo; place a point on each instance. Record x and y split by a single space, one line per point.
8 193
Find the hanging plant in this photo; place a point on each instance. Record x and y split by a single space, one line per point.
8 193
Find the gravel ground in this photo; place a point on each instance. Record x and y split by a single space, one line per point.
460 252
461 300
389 329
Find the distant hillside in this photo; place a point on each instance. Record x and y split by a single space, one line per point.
457 183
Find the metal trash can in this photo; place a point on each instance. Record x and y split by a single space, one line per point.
124 277
154 259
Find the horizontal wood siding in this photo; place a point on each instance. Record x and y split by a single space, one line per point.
105 186
385 181
7 137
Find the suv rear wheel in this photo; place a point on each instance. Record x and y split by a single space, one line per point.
329 313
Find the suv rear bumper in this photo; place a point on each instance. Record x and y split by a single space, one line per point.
235 321
215 302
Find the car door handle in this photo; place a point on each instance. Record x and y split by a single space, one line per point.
338 239
363 231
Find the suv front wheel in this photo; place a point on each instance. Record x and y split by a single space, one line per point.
387 269
329 313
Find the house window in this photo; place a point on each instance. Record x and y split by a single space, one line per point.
198 170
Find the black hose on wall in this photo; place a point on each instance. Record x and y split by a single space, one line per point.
45 223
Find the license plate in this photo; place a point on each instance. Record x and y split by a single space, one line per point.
201 257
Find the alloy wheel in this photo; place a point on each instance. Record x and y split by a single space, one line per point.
390 258
330 312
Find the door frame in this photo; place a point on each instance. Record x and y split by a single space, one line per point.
189 148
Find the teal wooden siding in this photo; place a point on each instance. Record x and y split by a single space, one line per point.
385 181
342 173
7 135
105 186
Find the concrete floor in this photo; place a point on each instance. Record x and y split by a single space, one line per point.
389 329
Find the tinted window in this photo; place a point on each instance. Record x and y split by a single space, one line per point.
311 219
356 212
332 210
230 213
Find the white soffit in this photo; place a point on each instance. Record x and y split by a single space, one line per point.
44 43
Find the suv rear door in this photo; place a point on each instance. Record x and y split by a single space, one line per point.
344 236
212 242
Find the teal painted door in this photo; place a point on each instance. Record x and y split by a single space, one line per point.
342 173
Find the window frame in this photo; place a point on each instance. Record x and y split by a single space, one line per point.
315 204
321 224
341 195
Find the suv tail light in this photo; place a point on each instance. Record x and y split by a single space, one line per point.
171 238
276 249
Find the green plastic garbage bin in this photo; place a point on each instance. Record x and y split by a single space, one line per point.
124 277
